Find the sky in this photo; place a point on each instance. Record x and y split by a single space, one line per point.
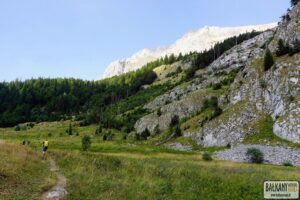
79 38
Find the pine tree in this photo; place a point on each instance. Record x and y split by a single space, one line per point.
282 48
294 2
295 48
268 60
86 142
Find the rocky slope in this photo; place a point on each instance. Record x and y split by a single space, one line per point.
198 40
253 95
274 155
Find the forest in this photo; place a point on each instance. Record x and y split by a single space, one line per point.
46 99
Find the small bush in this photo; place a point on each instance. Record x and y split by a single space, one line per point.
159 112
69 130
178 70
282 48
190 73
255 155
262 83
294 2
108 136
145 134
216 86
17 128
174 121
31 125
104 137
287 164
98 130
268 60
178 131
137 137
86 142
206 156
156 130
295 48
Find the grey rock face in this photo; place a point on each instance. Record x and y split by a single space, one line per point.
231 128
182 108
241 54
289 28
253 94
288 127
272 154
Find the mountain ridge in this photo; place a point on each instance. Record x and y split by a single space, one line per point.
195 40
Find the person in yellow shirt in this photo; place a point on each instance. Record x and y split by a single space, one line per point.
45 146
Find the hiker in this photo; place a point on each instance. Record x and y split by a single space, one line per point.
45 147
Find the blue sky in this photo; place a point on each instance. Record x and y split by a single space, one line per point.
79 38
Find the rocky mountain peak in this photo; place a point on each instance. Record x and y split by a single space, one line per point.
197 40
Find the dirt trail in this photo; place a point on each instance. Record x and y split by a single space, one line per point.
58 191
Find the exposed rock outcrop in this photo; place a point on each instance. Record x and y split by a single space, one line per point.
198 40
272 154
253 94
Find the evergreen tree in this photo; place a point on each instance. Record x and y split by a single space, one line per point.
70 130
159 112
268 60
295 48
86 142
294 2
282 48
178 131
174 121
180 56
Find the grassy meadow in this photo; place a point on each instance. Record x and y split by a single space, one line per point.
124 169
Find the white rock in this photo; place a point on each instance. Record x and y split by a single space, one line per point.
198 40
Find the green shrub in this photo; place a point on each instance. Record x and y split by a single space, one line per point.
255 155
262 83
178 131
69 130
86 142
295 48
31 125
137 137
213 104
287 164
145 134
174 121
294 2
156 130
217 111
108 136
282 48
216 86
17 128
178 70
98 130
206 156
159 112
190 73
268 60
